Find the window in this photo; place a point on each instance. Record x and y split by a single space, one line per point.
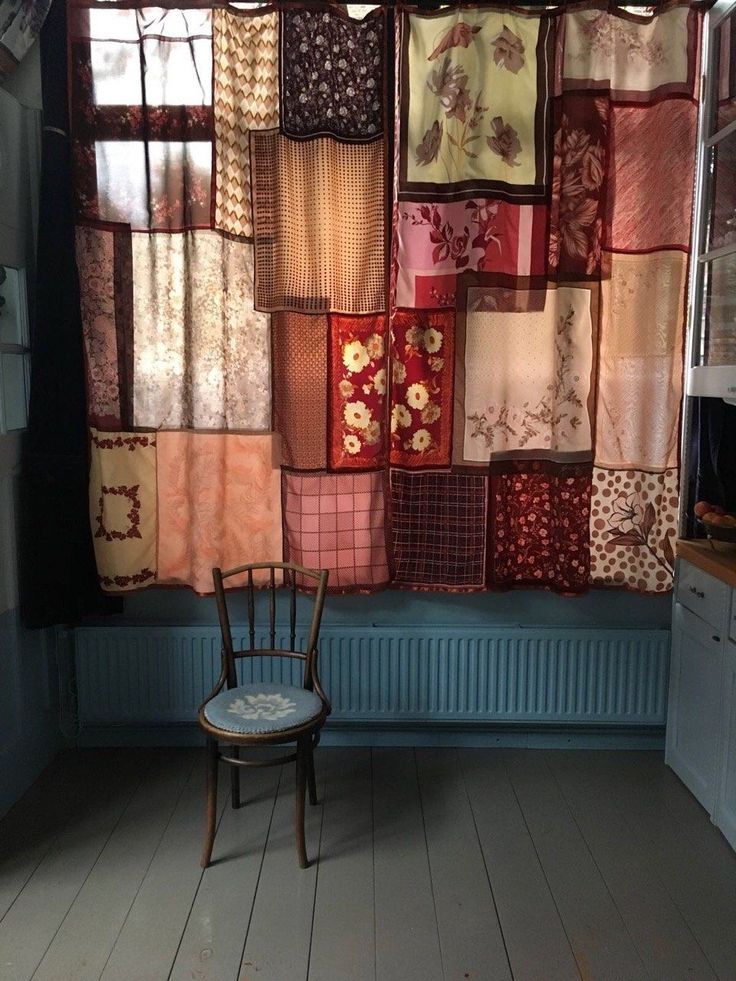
713 284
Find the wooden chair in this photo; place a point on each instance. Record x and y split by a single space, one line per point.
262 714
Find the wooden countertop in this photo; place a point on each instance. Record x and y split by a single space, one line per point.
719 561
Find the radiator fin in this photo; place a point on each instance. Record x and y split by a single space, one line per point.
154 674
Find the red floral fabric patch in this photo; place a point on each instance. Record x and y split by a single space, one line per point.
422 365
540 516
357 390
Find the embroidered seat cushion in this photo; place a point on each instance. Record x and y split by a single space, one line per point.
261 708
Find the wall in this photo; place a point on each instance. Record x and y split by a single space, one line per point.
29 732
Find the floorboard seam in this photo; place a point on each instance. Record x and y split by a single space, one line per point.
459 763
260 869
196 891
599 870
325 786
622 815
429 864
52 842
543 870
373 865
148 866
134 789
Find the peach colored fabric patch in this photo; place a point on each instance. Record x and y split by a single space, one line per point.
219 504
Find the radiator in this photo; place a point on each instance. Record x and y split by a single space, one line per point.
390 676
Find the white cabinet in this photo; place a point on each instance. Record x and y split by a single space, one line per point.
701 718
725 809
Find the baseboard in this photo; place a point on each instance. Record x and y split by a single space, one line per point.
428 734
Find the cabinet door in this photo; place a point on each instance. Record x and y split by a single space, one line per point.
725 815
693 720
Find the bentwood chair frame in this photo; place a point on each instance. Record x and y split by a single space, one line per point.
306 735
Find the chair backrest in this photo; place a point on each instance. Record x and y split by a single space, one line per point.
291 575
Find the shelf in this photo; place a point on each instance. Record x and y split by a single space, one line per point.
718 561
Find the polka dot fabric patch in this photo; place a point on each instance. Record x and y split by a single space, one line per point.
633 526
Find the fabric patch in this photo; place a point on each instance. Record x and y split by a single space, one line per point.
246 97
318 211
299 345
640 364
331 74
647 142
540 517
637 58
357 391
219 504
439 528
156 185
142 141
337 522
437 242
523 375
201 352
104 331
580 161
122 499
633 528
422 349
475 93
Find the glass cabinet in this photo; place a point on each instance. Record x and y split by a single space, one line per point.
712 350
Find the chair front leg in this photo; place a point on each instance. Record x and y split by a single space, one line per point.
311 780
235 777
211 818
301 781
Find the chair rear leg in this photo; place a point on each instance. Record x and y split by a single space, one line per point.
301 781
311 780
235 777
211 818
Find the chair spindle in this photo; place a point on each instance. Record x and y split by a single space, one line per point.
251 612
272 607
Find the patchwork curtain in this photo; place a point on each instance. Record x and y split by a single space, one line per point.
395 293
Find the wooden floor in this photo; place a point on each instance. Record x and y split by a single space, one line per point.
429 865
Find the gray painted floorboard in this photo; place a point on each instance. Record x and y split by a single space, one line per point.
598 936
471 942
535 937
407 937
697 869
343 935
278 939
663 938
475 865
212 945
90 929
31 923
149 939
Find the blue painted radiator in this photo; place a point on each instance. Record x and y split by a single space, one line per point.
415 677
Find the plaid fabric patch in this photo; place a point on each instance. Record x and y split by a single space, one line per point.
337 522
439 528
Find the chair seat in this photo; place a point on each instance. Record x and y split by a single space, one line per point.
262 708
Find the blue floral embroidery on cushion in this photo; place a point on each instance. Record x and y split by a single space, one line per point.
262 708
